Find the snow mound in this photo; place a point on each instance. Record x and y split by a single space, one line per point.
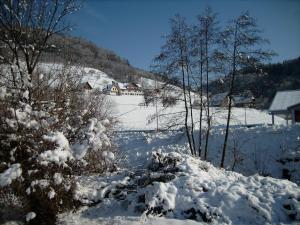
61 154
12 173
183 187
30 216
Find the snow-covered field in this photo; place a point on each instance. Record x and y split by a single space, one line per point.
134 116
159 183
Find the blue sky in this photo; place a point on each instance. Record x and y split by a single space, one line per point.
134 28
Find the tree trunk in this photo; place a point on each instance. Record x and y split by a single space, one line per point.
230 98
201 109
186 108
207 97
191 113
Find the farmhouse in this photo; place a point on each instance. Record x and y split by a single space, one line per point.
286 104
85 86
130 89
123 89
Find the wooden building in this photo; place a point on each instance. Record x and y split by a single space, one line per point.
287 105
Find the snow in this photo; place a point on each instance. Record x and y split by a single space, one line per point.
95 138
158 182
108 155
284 99
30 216
134 116
196 191
80 150
255 146
3 93
51 193
10 174
57 177
41 183
61 153
97 78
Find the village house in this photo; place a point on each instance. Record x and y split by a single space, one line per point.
123 89
287 105
112 89
85 87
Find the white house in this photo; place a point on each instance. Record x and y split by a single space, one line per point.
112 89
123 89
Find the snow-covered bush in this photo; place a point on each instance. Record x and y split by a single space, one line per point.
45 142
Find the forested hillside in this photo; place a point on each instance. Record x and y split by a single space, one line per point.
265 83
86 53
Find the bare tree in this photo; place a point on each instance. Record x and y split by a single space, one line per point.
204 39
208 24
26 27
241 43
174 60
198 64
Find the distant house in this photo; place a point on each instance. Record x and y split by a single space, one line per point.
286 104
85 86
131 89
221 100
112 89
123 89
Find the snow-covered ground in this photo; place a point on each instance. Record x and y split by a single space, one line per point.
182 188
134 116
96 78
257 149
158 182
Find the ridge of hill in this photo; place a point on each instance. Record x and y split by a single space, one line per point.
83 52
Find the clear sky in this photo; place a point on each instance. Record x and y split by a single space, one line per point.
133 28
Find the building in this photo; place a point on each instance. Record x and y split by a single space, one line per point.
85 86
123 89
287 105
130 89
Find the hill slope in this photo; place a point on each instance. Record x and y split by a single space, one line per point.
87 54
276 77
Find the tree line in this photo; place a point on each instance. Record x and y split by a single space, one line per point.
263 84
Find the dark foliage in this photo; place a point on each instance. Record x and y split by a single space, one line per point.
265 82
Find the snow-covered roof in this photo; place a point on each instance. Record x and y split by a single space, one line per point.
85 85
284 99
122 86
